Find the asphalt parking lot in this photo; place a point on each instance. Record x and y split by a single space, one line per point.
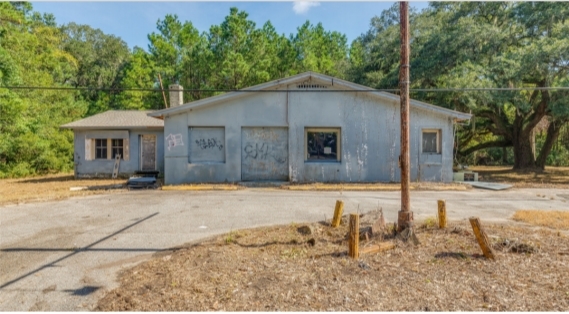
64 255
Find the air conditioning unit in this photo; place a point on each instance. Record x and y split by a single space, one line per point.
465 176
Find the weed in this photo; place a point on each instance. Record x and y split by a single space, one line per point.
429 223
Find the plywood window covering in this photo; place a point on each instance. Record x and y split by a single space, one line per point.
431 141
322 144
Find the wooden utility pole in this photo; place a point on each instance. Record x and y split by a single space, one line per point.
405 219
162 88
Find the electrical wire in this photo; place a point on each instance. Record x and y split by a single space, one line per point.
286 91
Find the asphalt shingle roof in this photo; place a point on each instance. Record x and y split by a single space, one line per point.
117 119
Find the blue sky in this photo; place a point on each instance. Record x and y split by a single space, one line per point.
133 21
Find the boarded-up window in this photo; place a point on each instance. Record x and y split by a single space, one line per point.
431 141
207 145
322 144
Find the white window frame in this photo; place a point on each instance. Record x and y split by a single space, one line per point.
438 139
336 130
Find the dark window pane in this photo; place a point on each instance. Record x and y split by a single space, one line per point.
322 146
101 148
117 148
430 142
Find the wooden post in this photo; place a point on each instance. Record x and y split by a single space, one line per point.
162 88
337 214
481 237
354 237
442 214
405 218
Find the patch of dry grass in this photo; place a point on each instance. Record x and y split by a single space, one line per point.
278 269
550 177
555 219
50 187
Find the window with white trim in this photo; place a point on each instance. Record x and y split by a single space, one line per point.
322 144
431 141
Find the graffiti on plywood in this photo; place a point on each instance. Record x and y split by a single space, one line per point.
174 140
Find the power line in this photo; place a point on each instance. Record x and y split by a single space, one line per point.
474 89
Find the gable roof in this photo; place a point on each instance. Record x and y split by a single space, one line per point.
117 119
336 82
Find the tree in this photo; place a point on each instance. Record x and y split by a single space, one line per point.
30 54
321 51
100 58
466 45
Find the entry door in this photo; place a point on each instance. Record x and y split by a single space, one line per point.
148 152
264 154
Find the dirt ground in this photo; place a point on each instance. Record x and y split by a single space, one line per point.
550 177
280 269
50 187
57 186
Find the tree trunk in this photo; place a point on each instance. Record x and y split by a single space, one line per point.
523 154
552 134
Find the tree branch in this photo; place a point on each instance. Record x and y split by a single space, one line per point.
498 143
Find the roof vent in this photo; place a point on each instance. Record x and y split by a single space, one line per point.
311 86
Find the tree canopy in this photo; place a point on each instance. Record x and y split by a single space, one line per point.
454 45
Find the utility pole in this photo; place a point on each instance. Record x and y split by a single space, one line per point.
405 219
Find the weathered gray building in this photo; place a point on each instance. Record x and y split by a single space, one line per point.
136 137
305 128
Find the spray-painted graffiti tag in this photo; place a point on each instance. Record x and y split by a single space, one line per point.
174 140
260 151
204 143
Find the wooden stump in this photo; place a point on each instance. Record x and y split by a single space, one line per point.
482 238
442 214
354 237
337 214
384 246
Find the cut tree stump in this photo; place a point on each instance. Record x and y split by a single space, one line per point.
337 214
482 238
354 236
442 214
384 246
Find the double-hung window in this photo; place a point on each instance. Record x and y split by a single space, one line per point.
101 149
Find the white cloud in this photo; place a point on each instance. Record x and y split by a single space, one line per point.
301 7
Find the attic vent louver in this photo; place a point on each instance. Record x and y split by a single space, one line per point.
310 86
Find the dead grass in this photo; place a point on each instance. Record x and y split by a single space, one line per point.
550 177
49 187
554 219
277 269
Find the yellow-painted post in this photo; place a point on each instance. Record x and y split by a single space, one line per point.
482 238
338 213
354 239
442 214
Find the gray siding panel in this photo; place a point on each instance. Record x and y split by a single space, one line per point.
264 154
207 145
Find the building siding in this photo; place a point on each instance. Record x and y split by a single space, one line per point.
104 167
369 137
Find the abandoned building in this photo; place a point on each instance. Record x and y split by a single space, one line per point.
135 137
305 128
